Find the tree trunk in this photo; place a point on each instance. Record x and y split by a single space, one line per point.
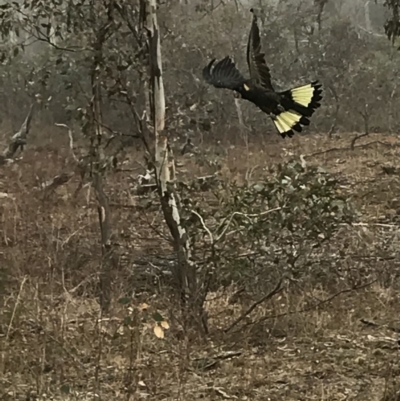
185 271
97 171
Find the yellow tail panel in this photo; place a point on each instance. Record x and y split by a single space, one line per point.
303 94
285 121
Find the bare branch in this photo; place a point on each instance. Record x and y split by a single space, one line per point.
204 226
278 288
318 304
71 139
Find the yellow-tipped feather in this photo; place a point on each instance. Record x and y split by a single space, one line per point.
303 94
286 121
279 126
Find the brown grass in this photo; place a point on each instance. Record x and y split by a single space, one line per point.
56 345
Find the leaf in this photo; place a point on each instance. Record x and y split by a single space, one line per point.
258 187
124 301
157 317
144 306
65 388
70 107
158 331
165 325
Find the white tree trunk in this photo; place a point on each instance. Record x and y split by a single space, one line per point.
185 273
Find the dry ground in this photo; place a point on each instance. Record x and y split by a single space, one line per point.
55 345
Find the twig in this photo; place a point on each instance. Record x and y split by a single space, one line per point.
337 109
356 138
56 181
319 304
248 216
365 115
384 325
15 307
370 225
223 393
75 358
71 139
66 241
391 107
323 152
278 288
378 35
213 8
250 171
204 226
40 35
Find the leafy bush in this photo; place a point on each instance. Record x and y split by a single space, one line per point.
308 201
279 225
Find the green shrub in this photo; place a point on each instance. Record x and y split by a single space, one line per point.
282 224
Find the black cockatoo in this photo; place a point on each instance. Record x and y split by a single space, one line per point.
289 110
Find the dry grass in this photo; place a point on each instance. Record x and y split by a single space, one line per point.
56 345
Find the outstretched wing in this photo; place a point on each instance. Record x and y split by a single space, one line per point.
224 74
259 71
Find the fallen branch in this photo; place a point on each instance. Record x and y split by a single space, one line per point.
386 326
384 225
365 145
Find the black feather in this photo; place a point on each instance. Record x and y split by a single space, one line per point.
224 74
